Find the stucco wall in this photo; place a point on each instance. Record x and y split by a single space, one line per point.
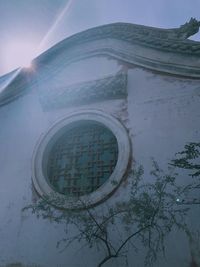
161 114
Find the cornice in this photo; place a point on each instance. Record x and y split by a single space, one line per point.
164 50
14 84
173 40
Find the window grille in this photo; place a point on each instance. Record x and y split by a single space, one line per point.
82 159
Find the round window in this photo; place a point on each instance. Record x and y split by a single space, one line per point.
81 160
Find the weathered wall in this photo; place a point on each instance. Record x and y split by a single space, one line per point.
161 113
163 116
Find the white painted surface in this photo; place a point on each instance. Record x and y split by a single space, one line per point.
162 114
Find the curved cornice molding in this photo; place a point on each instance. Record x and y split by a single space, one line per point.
164 50
13 85
173 40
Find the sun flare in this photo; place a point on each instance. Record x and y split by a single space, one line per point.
19 54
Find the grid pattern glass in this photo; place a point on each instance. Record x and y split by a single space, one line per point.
82 159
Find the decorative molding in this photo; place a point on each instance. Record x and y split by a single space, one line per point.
188 29
14 85
110 87
173 40
164 50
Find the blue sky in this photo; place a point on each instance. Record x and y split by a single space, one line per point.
36 22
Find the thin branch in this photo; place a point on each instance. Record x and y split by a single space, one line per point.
106 243
131 236
106 259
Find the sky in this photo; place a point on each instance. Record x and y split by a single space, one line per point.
29 27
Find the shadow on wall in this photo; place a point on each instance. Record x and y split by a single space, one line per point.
18 264
194 244
193 263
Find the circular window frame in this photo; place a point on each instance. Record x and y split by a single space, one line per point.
106 189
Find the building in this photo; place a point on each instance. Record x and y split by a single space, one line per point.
135 87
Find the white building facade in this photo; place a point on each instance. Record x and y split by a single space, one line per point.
135 87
